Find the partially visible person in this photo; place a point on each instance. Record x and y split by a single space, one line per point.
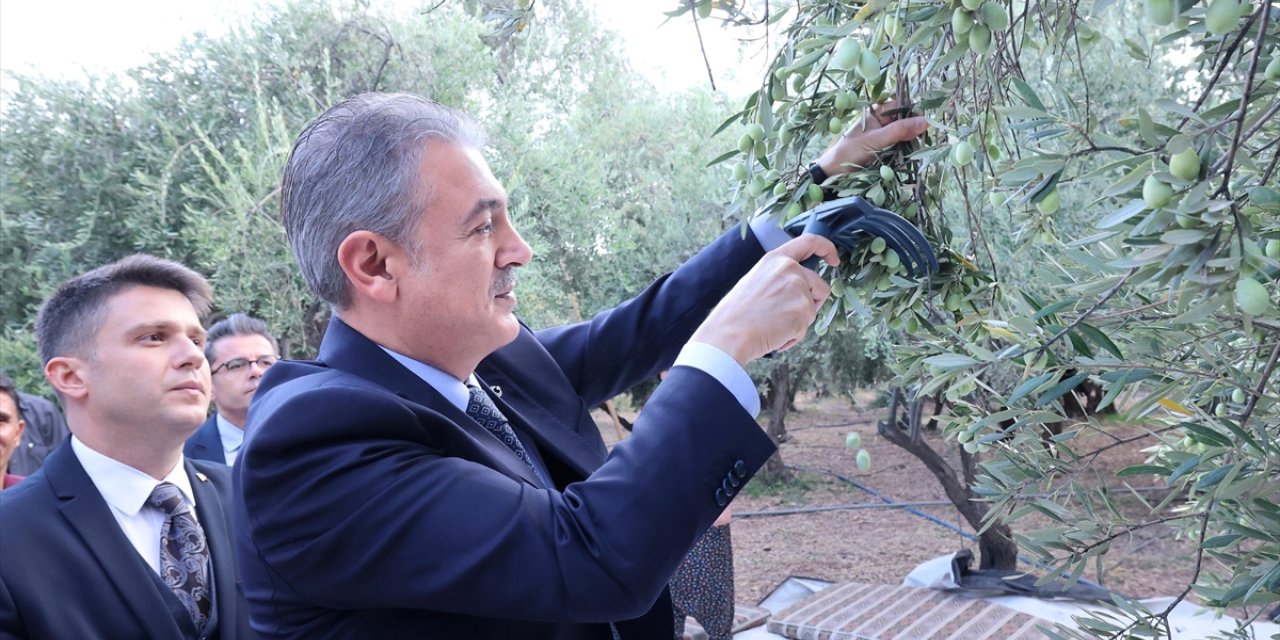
117 536
702 587
239 350
11 428
46 429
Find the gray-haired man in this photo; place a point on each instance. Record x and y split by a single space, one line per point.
239 350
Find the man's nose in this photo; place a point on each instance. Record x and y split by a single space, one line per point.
515 251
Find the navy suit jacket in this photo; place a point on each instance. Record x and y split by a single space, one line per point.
68 571
206 443
370 507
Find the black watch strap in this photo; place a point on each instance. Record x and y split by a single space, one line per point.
819 176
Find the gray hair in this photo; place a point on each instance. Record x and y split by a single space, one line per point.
73 314
237 324
358 167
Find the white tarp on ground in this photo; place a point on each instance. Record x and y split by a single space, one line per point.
1188 621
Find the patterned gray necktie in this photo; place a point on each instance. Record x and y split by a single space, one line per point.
482 410
184 554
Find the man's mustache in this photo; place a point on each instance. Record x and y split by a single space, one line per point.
505 281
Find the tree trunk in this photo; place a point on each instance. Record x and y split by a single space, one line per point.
996 548
779 396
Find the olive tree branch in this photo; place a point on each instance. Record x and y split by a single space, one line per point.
1265 10
1084 316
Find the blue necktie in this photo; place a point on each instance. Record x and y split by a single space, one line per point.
482 410
184 554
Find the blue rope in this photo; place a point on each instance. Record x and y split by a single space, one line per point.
877 494
928 517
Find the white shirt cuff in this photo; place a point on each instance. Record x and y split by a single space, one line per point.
768 231
724 369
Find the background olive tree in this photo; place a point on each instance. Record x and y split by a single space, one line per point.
1100 181
182 157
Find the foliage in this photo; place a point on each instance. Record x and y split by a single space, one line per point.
182 157
1099 179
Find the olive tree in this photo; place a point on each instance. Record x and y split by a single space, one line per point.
1099 180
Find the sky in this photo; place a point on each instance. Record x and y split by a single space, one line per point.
68 37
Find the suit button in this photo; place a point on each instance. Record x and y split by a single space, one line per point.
740 469
721 498
733 480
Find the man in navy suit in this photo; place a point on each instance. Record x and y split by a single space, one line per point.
117 536
239 350
435 472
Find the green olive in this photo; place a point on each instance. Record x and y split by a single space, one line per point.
1185 164
980 39
1156 193
846 55
1050 202
1222 16
995 16
1252 296
1160 12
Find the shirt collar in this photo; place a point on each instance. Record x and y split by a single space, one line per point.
453 390
123 487
231 435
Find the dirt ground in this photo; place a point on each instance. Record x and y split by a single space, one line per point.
883 544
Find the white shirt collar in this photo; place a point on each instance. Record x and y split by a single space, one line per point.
453 390
123 487
232 436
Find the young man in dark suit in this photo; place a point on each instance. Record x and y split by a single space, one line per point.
117 536
239 349
435 473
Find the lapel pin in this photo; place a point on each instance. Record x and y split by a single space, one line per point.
497 390
201 477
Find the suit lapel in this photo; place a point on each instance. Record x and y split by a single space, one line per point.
213 517
85 510
346 349
209 442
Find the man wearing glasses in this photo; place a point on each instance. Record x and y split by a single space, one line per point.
239 350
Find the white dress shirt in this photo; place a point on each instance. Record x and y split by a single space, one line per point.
126 490
702 356
232 438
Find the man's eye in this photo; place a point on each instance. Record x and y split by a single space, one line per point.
485 228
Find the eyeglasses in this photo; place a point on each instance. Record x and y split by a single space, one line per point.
236 364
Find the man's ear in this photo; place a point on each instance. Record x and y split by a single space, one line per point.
66 375
373 264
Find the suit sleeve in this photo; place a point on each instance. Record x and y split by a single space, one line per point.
622 346
10 624
388 521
